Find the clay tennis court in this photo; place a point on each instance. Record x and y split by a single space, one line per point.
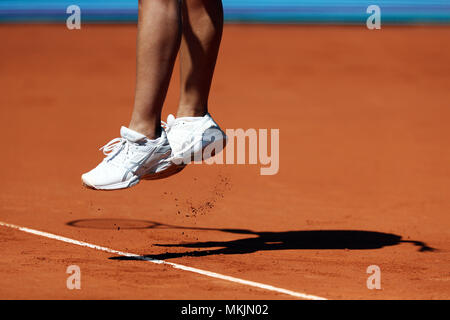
364 173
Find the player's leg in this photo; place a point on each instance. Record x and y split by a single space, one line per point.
158 42
143 150
194 134
202 33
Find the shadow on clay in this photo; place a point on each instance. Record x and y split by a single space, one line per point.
256 241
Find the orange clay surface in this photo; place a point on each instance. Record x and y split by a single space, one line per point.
364 167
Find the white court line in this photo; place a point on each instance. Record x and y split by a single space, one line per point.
173 265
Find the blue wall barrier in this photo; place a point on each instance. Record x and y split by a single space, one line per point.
253 11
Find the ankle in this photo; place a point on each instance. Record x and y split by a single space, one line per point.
191 112
150 131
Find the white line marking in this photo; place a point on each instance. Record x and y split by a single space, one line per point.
174 265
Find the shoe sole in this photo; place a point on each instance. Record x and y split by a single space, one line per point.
118 186
169 171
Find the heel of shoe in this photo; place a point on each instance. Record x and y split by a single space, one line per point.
213 139
212 142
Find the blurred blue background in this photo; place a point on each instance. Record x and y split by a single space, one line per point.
250 11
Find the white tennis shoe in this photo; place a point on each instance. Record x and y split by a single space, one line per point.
128 160
194 138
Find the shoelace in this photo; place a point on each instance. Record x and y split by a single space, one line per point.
114 147
165 125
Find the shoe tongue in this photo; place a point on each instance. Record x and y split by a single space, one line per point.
170 119
131 135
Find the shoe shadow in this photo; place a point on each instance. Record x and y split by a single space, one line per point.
260 241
